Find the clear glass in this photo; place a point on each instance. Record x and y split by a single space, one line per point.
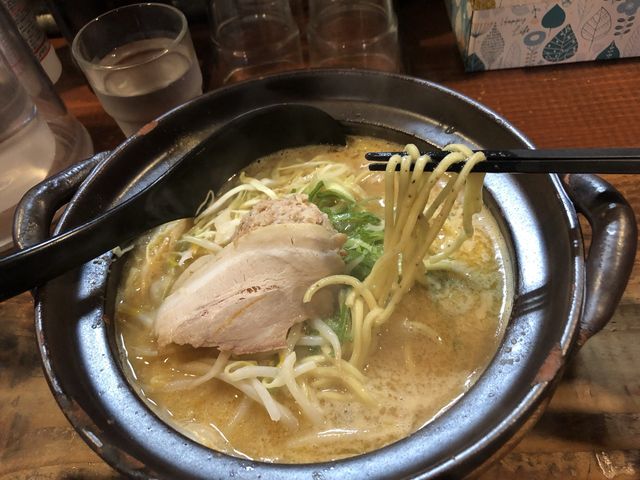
353 34
72 140
140 61
254 38
38 136
27 147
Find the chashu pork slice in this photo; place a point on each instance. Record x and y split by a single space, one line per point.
245 298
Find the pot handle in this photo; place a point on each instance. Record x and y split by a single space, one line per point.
34 214
613 248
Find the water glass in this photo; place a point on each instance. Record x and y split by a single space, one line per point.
27 147
254 38
353 33
140 62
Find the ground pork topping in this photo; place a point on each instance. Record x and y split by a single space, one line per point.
293 209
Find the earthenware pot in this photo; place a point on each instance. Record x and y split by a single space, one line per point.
560 298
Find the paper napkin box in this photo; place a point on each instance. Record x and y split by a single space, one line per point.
495 34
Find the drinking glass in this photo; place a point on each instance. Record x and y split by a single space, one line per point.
140 61
353 33
254 38
27 147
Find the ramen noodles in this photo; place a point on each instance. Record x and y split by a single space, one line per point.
315 310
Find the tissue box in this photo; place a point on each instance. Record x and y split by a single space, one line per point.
495 34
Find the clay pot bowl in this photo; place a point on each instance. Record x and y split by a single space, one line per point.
560 298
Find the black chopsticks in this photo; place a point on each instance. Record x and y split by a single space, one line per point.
575 160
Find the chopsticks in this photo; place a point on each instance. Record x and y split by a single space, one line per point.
575 160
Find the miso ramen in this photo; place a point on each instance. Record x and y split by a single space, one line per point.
329 352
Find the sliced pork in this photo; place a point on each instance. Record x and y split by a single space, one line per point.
245 298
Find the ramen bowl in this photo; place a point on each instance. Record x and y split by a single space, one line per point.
560 299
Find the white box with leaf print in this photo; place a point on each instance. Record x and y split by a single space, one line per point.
495 34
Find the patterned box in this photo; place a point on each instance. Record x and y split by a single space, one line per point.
495 34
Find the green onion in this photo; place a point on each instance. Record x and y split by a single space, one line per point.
340 322
364 229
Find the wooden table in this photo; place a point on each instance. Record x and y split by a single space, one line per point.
591 429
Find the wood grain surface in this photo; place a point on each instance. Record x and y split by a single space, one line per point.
591 429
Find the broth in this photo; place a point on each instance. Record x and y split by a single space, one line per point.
432 349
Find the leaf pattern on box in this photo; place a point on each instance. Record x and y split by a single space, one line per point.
492 46
474 64
531 57
513 56
609 53
561 47
554 17
480 28
598 26
628 9
633 44
537 32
